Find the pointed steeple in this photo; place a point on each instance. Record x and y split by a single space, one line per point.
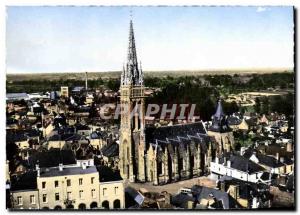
219 120
132 74
219 112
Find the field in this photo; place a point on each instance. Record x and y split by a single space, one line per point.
117 74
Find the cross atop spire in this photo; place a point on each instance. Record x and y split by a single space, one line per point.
131 74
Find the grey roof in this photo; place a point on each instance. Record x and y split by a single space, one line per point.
263 159
26 181
16 96
247 190
66 137
233 120
110 150
204 192
172 132
52 158
181 199
219 121
138 198
68 171
241 163
219 112
108 174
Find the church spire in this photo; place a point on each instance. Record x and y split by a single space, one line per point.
219 112
219 120
132 74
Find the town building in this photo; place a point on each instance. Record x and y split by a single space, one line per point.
159 155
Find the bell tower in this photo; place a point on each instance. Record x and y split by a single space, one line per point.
132 134
221 131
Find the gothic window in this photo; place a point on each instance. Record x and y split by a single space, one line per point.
128 154
159 168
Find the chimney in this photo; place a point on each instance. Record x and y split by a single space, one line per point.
229 163
86 81
289 147
37 168
223 186
217 160
242 151
277 156
281 159
236 191
83 165
92 162
60 167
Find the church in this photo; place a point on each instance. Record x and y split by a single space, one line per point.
168 153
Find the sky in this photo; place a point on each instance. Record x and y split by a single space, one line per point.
95 38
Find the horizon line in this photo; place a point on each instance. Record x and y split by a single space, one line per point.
243 69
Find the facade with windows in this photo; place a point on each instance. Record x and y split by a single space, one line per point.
112 195
71 187
25 199
68 187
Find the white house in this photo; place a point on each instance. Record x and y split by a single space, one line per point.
237 167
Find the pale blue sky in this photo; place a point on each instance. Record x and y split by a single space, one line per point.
67 39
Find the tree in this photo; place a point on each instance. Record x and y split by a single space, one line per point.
257 106
265 105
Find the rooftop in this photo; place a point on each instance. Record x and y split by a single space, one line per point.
51 172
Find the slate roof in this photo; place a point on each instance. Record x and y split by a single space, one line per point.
52 158
26 181
264 159
203 193
219 120
50 172
80 127
268 161
247 190
107 174
110 150
16 96
233 120
181 136
243 164
290 185
16 136
274 148
181 199
171 132
66 137
135 195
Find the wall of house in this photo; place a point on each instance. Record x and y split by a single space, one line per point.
56 144
220 169
22 144
87 186
112 192
25 195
